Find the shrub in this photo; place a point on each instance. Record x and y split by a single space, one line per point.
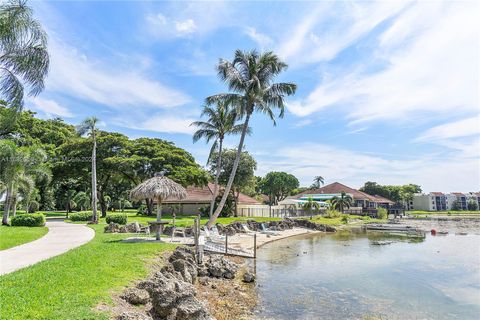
382 213
142 210
345 218
29 220
366 218
117 218
33 207
81 216
330 213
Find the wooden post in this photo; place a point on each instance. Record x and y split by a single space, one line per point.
255 245
226 243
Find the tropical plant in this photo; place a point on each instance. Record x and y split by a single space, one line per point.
82 200
220 123
343 202
472 205
251 78
382 213
456 205
24 57
89 126
311 205
19 168
318 181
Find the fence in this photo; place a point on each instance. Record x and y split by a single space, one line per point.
283 212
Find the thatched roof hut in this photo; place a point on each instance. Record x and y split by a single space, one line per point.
160 188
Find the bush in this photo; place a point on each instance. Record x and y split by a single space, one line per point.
33 207
382 213
29 220
345 218
81 216
142 210
332 213
117 218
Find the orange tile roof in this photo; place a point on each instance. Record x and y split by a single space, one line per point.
337 187
204 195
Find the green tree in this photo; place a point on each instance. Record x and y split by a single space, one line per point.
278 186
343 202
311 205
220 123
19 168
318 182
245 172
251 78
82 200
88 126
456 205
472 205
24 57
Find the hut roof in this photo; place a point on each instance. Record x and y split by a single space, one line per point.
158 187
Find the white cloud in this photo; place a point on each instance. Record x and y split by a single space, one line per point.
185 27
432 172
50 107
261 39
461 128
319 37
435 70
108 83
162 123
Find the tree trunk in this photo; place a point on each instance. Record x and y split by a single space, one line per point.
232 175
103 205
217 175
6 209
149 203
14 204
94 179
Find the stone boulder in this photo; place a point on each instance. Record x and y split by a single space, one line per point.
219 267
248 277
112 227
136 296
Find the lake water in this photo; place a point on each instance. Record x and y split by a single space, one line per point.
346 276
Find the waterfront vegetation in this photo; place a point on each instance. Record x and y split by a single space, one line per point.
15 236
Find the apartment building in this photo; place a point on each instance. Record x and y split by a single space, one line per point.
438 201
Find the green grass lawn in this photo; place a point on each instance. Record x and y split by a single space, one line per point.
181 220
451 212
14 236
337 221
70 285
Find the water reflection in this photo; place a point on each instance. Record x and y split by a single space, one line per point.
349 276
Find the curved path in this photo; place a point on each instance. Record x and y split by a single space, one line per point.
60 238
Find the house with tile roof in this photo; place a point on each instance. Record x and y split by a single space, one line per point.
198 197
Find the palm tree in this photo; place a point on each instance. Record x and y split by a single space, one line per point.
69 201
250 75
220 122
318 181
19 168
88 126
342 202
82 199
310 205
24 57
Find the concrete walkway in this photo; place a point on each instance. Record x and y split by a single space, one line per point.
60 238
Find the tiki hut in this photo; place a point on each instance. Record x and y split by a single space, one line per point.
160 188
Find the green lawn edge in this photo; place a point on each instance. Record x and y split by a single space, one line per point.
14 236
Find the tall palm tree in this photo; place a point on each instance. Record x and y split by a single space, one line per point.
24 57
250 76
318 181
342 202
19 169
220 122
89 126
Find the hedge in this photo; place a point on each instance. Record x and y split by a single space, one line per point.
81 216
117 218
28 220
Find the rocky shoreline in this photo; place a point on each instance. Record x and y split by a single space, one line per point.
172 292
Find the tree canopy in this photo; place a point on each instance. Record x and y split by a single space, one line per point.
392 192
278 186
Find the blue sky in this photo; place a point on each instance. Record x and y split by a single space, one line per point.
387 91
